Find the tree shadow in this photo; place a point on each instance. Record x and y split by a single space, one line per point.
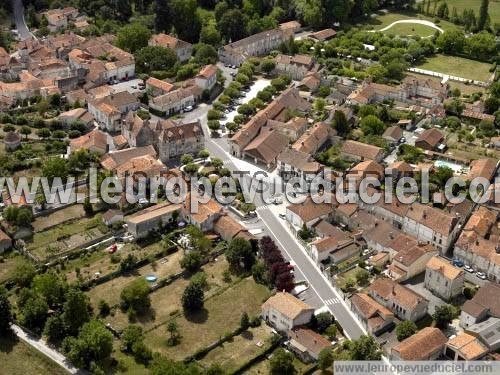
147 316
247 335
7 342
197 317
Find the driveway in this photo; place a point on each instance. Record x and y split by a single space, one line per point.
42 346
18 14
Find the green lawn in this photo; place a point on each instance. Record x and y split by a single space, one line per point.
240 349
384 20
458 66
493 8
405 29
221 314
19 358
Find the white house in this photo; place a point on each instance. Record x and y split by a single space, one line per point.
443 279
285 312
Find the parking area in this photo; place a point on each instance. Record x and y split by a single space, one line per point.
132 86
417 285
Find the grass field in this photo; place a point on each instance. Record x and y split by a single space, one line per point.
240 349
384 20
493 8
72 212
458 66
465 89
8 265
110 291
167 300
221 314
19 358
262 367
100 260
405 29
65 237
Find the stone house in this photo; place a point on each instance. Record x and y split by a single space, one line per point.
285 312
443 279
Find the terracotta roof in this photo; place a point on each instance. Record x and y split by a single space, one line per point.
393 132
94 139
368 307
287 305
324 34
486 298
325 228
204 211
208 71
421 345
308 210
485 168
312 341
381 233
267 145
290 25
410 255
389 290
431 136
433 218
299 160
153 212
168 41
4 236
144 164
469 347
332 242
228 225
295 60
361 149
109 214
313 138
171 131
112 160
444 267
401 166
165 86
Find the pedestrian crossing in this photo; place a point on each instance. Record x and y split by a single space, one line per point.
332 301
262 208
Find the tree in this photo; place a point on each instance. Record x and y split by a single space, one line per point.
50 287
162 15
213 125
281 363
132 334
5 312
267 65
203 154
340 123
454 106
104 308
365 348
210 35
362 276
319 104
186 159
23 273
451 41
94 343
54 329
245 321
232 25
154 58
34 312
25 130
240 255
325 359
185 19
55 167
481 46
192 261
173 330
133 37
87 207
482 19
76 310
192 298
43 133
205 54
135 296
443 315
405 329
323 321
372 125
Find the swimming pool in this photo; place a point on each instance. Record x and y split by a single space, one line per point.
455 167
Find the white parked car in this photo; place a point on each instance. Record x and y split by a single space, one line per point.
469 269
481 275
188 108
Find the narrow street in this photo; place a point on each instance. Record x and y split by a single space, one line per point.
18 14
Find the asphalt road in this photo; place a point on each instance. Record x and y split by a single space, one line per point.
18 13
286 240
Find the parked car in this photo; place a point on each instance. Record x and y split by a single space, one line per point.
458 263
188 108
469 269
282 216
481 275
